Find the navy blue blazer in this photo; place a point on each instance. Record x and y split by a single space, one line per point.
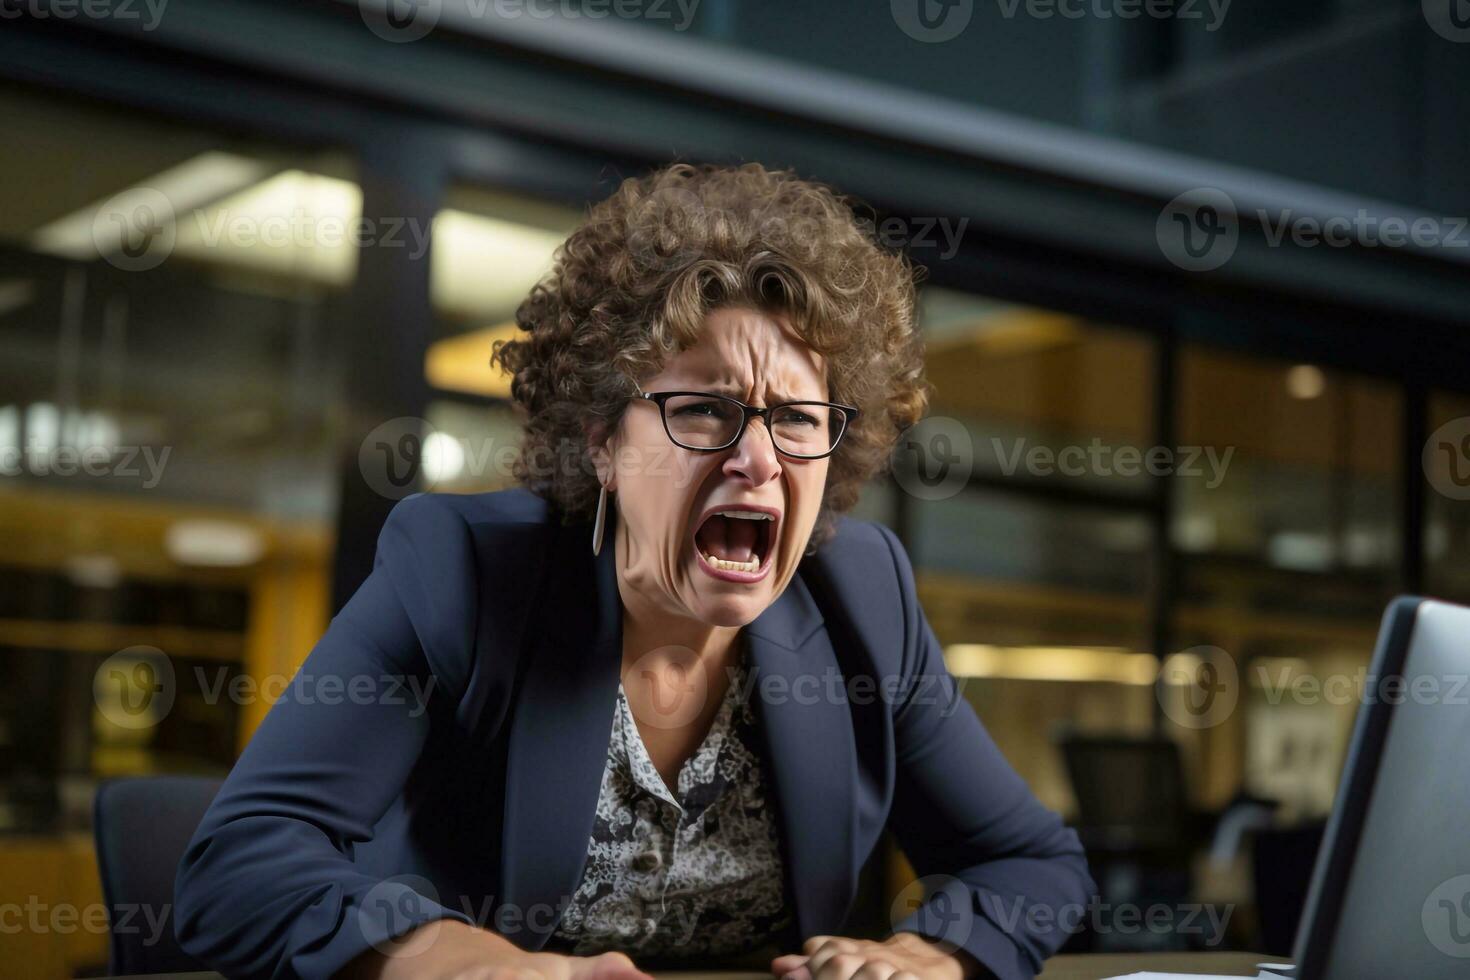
440 753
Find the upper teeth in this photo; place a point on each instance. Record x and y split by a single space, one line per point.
747 515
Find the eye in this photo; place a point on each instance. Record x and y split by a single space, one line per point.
793 416
708 408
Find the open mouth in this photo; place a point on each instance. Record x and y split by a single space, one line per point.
737 541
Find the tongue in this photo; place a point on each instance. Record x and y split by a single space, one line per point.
729 538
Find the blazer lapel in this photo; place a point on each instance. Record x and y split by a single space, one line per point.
557 743
801 700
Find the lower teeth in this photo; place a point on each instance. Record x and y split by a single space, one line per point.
733 566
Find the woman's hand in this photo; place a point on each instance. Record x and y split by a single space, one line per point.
448 949
902 956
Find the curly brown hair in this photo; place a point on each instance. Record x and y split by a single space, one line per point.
632 285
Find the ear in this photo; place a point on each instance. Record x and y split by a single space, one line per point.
600 450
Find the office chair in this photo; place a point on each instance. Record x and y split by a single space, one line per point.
1282 864
143 826
1136 823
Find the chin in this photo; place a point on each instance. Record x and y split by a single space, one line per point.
732 610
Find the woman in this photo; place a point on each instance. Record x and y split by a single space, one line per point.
669 701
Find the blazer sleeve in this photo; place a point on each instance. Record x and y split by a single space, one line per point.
267 886
1005 879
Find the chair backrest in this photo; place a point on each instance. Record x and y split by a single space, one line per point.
1131 795
143 826
1282 864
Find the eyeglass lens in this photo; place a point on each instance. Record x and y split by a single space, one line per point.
709 422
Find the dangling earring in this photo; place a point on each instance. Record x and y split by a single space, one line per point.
600 522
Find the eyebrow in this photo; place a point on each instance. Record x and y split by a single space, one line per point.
732 391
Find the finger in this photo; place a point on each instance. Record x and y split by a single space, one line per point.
786 962
876 970
615 966
823 948
839 966
799 973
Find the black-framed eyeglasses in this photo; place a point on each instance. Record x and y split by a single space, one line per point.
705 422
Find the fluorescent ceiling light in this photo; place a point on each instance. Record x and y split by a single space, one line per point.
213 543
483 267
444 457
98 228
1306 551
229 210
295 223
1107 664
94 571
1306 381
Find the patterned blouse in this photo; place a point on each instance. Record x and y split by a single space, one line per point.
695 878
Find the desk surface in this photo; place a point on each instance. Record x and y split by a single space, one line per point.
1099 965
1087 966
1080 967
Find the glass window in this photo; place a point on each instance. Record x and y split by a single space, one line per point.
1287 559
169 409
1446 460
1042 395
490 248
1025 512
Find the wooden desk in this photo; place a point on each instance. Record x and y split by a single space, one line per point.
1082 967
1087 966
1096 966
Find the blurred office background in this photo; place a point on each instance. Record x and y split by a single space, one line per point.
199 363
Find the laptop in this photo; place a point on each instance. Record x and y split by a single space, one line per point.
1390 892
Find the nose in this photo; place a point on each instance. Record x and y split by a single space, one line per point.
754 457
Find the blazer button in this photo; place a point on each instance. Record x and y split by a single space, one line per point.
647 861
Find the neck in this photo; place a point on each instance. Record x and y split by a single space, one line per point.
651 629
